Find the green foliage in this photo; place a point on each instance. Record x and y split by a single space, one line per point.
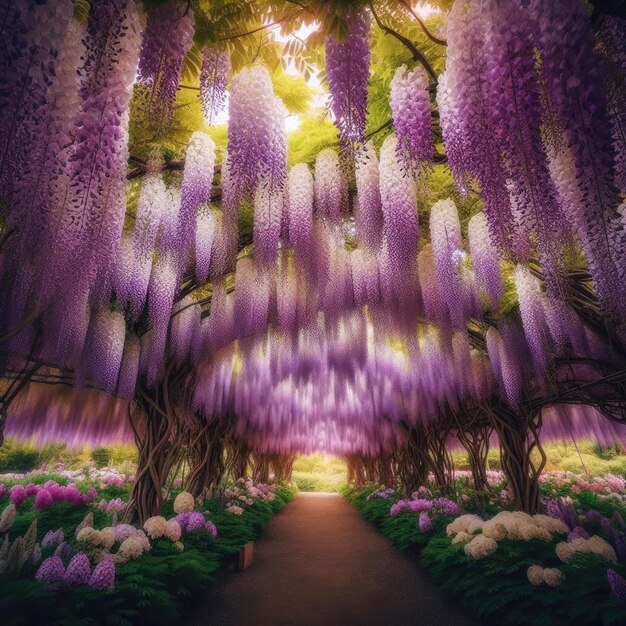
293 90
23 456
313 135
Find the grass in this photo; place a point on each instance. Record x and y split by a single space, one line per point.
319 472
583 457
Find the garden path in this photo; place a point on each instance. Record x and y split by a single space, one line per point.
319 563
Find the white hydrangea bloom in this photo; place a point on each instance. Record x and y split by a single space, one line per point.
480 547
134 546
595 545
184 502
553 576
155 527
461 537
535 575
461 523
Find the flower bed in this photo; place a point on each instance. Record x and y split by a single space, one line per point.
509 566
73 561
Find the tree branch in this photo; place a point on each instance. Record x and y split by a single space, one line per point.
441 42
417 55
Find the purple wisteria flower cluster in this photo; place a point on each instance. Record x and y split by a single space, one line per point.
347 70
53 573
428 508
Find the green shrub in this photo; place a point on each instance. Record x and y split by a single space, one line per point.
308 481
16 456
100 457
496 588
157 588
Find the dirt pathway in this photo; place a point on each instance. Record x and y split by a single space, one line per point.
319 563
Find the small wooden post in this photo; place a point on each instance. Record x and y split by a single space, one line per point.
246 554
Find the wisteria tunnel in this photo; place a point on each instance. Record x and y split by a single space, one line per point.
360 260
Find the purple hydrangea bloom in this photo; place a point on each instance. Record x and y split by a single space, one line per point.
211 528
195 521
78 571
17 493
448 507
420 505
565 512
578 533
43 500
31 489
51 571
72 495
103 576
53 538
398 507
3 491
124 531
425 522
617 584
190 520
64 551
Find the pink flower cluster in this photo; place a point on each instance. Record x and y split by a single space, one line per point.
610 483
124 531
244 493
50 493
52 572
117 504
111 478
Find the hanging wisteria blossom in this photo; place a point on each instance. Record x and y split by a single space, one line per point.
230 298
410 107
300 207
169 35
256 134
399 203
196 187
485 258
368 213
330 186
213 82
347 71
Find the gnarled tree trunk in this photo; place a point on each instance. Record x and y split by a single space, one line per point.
261 467
413 464
519 437
156 440
208 454
441 462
